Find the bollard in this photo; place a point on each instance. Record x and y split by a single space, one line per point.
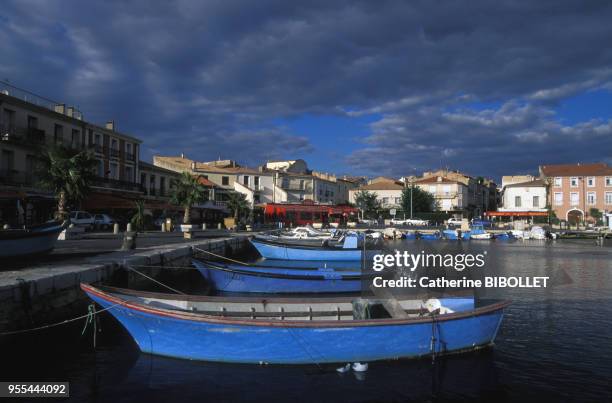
204 226
115 228
219 226
129 240
129 227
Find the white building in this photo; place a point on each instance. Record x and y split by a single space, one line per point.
388 192
525 196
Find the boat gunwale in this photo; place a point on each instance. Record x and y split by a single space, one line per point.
325 248
318 277
195 317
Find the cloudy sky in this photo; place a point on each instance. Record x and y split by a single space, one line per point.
364 87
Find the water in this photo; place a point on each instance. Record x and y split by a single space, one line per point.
554 344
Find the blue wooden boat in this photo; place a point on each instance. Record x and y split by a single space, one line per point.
295 330
30 241
348 249
505 236
269 279
429 237
453 235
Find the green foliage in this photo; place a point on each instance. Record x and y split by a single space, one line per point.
237 204
422 201
367 203
186 192
597 215
138 219
67 172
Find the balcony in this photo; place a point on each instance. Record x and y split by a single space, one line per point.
114 184
306 187
114 153
17 178
23 136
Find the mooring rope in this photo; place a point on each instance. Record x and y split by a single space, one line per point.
222 257
90 313
155 281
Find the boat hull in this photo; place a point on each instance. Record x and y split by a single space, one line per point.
164 333
26 243
270 250
261 279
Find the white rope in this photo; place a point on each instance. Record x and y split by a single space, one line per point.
155 281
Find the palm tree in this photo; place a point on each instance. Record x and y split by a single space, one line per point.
237 203
67 172
138 219
187 192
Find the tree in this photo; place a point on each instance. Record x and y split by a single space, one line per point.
367 202
138 219
422 201
237 203
187 192
68 173
596 214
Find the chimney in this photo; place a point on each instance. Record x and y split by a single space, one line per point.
193 166
70 111
182 156
110 125
60 108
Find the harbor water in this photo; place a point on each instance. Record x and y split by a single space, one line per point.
554 344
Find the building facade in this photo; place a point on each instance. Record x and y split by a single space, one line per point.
388 192
451 196
576 189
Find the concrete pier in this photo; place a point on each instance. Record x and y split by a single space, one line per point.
32 297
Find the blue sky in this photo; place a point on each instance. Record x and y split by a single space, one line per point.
353 87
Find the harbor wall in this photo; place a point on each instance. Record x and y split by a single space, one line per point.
36 297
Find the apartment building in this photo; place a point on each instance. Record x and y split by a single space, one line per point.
388 192
525 197
575 189
451 196
30 123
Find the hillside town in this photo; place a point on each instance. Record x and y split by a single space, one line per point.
287 191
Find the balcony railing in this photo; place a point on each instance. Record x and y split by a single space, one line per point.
114 153
115 184
24 136
17 178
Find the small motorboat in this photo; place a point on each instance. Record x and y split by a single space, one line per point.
456 235
233 277
505 236
348 247
30 241
477 231
299 330
434 236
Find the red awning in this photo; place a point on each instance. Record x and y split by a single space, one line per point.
516 213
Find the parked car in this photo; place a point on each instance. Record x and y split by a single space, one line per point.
454 221
103 221
82 219
416 221
367 221
398 221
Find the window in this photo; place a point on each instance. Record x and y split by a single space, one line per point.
101 168
114 171
152 185
446 189
58 134
245 180
75 139
558 182
432 189
98 140
558 198
128 148
574 198
608 198
574 182
162 186
517 201
591 181
32 122
256 182
302 184
608 180
8 160
9 119
536 201
114 144
225 180
385 200
591 198
129 174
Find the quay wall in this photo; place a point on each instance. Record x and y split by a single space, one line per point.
36 297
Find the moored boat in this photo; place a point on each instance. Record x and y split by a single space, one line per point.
297 331
234 277
30 241
477 231
455 235
349 247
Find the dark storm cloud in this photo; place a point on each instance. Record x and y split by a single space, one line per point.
212 76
